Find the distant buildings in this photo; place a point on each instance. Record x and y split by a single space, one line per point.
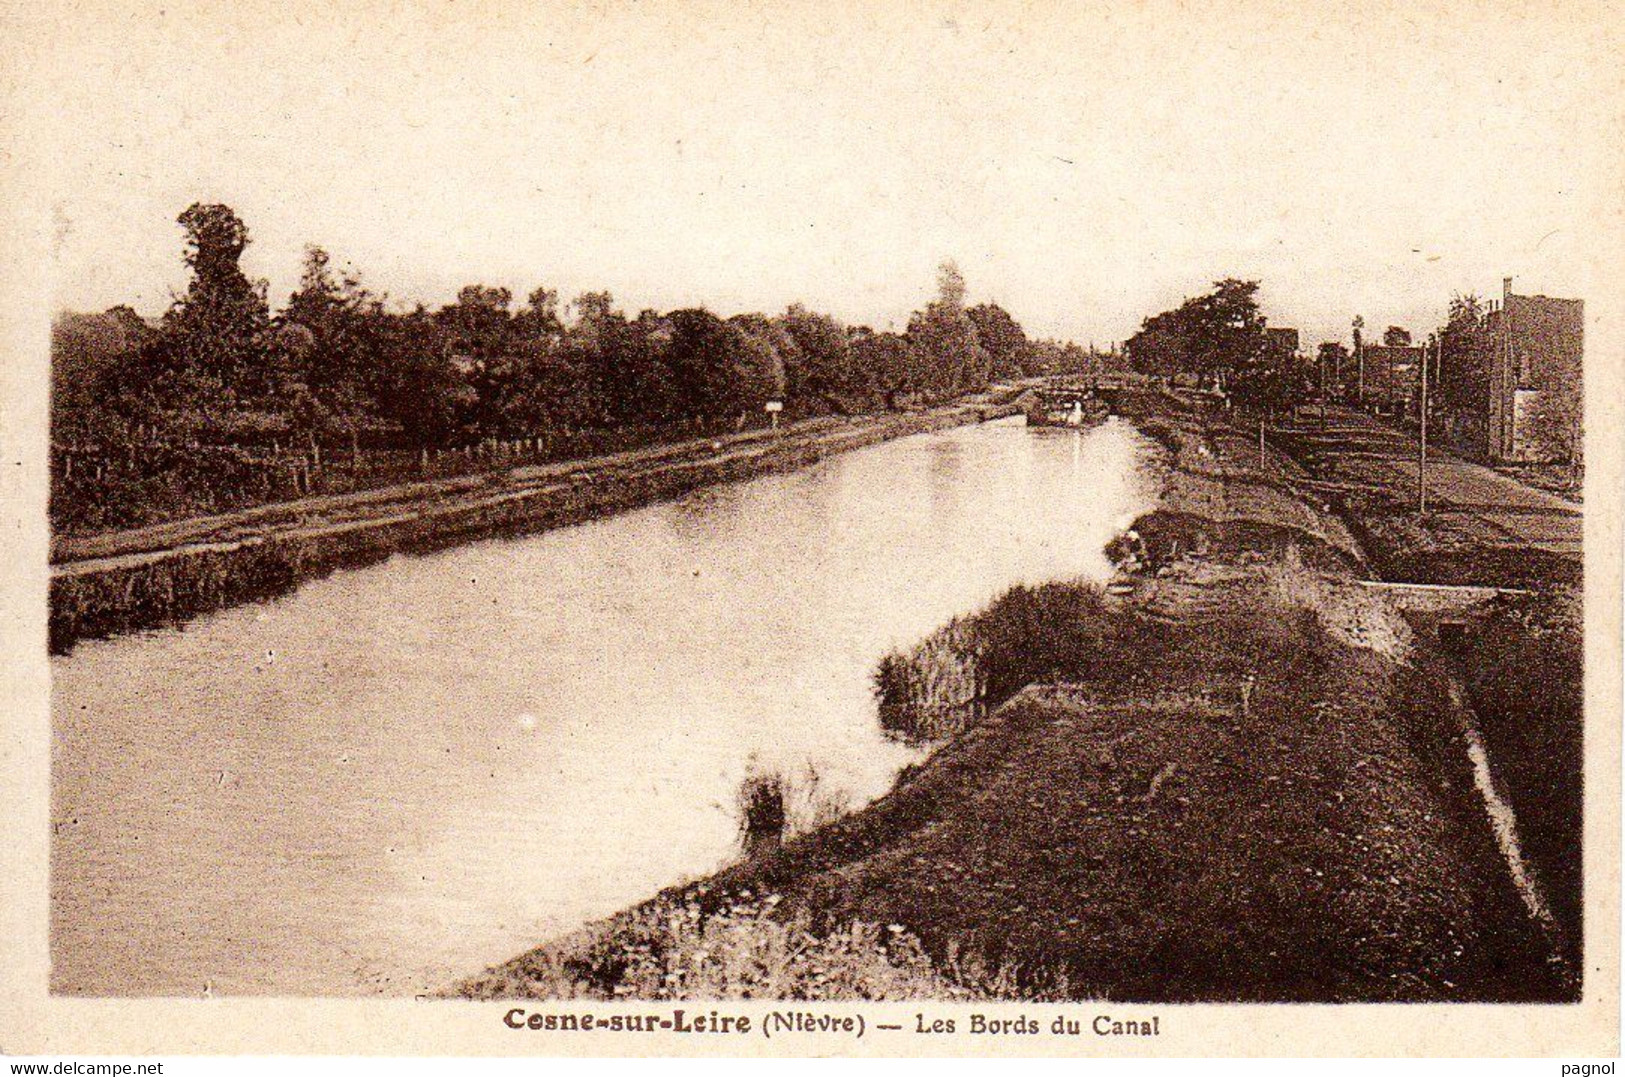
1282 343
1387 375
1506 377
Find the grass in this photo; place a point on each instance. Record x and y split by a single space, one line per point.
678 949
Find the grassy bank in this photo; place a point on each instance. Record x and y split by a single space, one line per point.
1234 775
1521 666
162 579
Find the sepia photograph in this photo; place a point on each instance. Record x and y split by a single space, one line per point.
943 523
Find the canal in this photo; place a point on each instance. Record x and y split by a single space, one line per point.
398 775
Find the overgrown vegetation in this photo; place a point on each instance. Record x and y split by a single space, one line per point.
762 810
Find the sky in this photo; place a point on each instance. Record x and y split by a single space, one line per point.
1086 165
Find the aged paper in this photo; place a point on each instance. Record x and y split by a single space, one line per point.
789 529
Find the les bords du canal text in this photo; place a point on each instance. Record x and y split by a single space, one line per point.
720 1023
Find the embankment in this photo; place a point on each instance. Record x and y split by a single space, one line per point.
1520 660
1234 774
164 578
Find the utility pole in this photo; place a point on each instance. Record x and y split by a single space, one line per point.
1422 454
1359 366
1359 360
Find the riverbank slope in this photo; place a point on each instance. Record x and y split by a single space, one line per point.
1235 774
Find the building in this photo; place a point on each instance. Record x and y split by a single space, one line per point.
1535 410
1387 376
1509 376
1282 343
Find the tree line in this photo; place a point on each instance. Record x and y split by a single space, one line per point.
1220 339
339 360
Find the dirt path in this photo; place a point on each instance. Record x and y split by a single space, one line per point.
335 507
1481 527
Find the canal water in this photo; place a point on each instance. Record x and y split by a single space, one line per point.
399 775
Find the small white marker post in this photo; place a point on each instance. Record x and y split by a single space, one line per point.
773 407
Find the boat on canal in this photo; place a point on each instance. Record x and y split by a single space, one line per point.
1075 406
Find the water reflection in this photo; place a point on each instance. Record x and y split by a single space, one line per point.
401 774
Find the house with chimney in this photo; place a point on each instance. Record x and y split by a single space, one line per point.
1537 398
1515 393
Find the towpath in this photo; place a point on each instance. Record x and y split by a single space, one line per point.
1480 524
305 515
119 581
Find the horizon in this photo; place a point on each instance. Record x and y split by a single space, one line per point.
744 162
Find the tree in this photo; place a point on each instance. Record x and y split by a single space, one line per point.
706 357
1396 337
892 366
479 323
951 285
1163 346
479 337
1229 332
945 338
1002 337
779 348
213 335
1463 379
593 308
553 389
539 320
96 362
341 362
818 367
424 392
641 351
1213 336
